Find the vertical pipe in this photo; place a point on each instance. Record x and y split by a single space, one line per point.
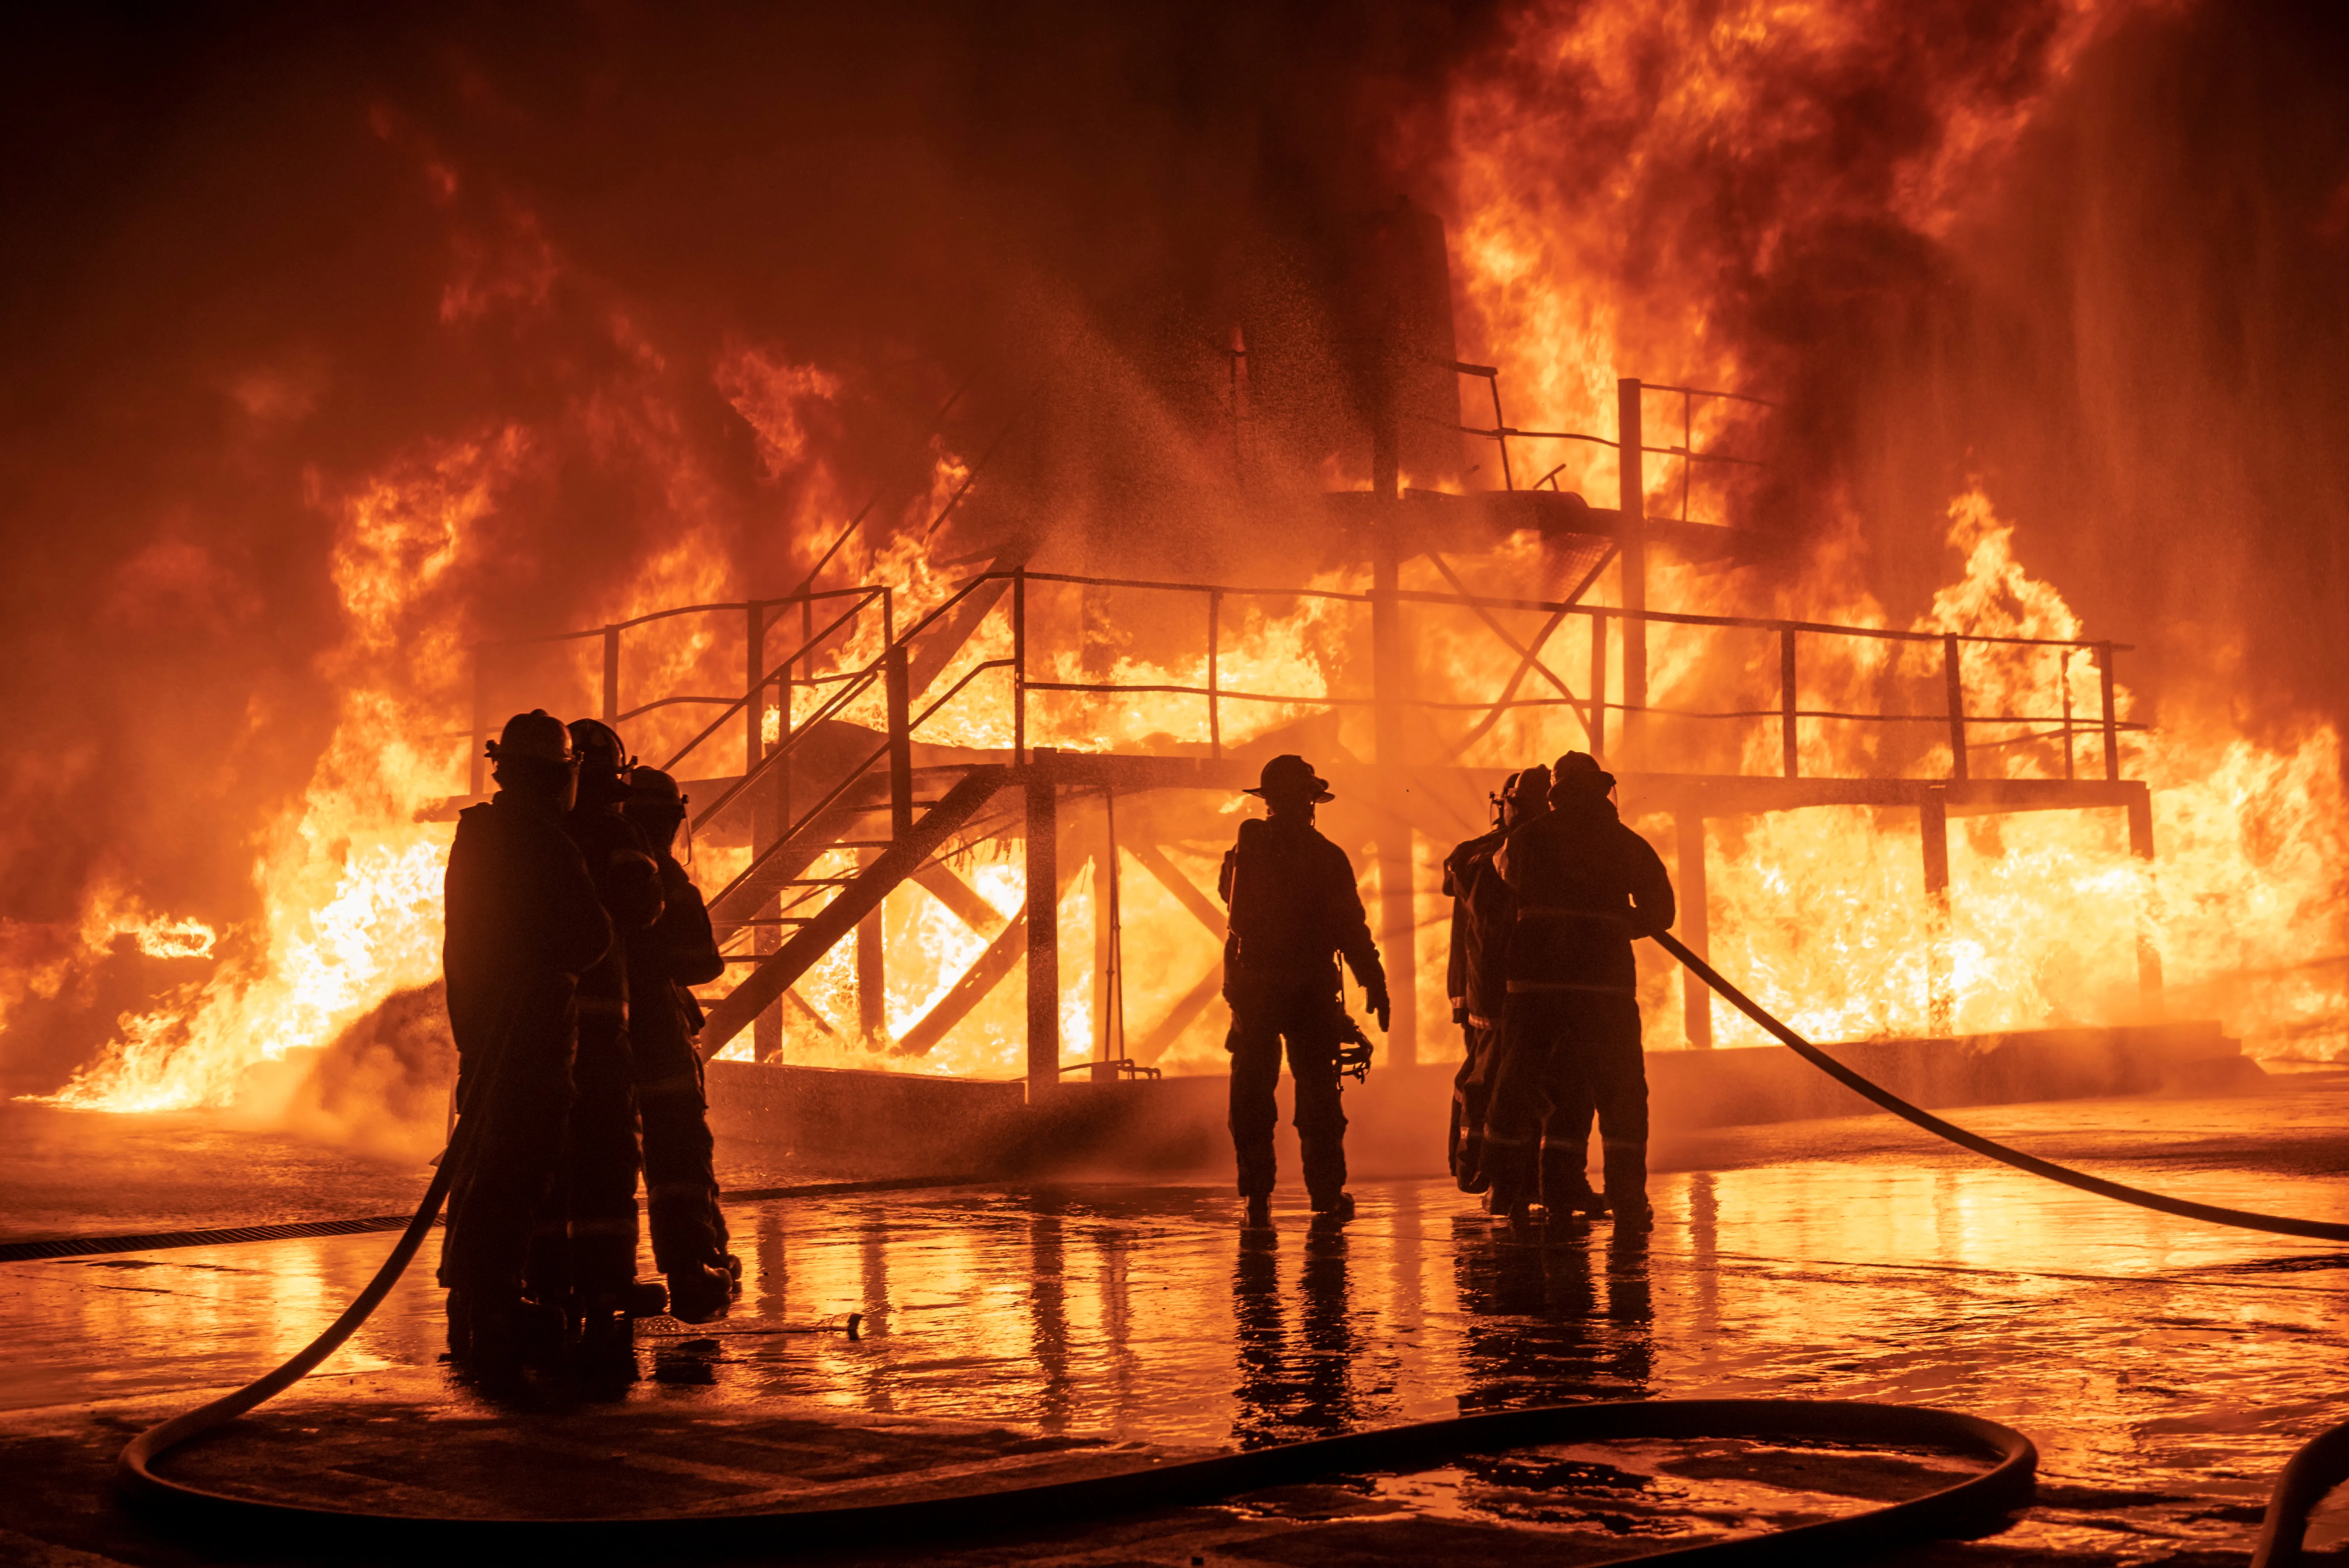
2112 716
1696 998
1214 675
1953 685
1632 497
612 677
1019 666
1933 827
897 682
1598 687
477 778
2149 953
1043 925
1790 756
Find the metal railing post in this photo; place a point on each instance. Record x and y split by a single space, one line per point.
1599 686
754 708
2063 679
1954 685
2112 715
1789 754
1019 673
1215 681
612 677
896 689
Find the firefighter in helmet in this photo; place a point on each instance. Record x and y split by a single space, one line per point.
1294 913
1586 886
600 1260
523 923
680 1180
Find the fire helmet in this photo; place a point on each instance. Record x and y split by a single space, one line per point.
536 735
599 745
1578 773
1289 777
650 787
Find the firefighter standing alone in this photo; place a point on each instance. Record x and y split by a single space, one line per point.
1294 912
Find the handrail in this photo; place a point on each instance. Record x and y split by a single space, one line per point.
831 704
774 675
853 776
866 589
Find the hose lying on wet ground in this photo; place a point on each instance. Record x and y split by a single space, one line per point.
1989 1149
1973 1504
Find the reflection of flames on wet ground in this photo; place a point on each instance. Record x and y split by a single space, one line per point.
1821 912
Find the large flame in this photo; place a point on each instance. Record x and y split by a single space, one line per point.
1621 176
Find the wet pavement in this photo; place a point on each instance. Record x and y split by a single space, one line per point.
2164 1368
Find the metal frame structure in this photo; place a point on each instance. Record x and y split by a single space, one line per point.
782 914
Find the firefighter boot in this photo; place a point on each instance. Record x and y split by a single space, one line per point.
699 1293
1627 1185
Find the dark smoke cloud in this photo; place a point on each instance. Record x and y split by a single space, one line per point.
258 253
2139 342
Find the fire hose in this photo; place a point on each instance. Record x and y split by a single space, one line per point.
1971 1505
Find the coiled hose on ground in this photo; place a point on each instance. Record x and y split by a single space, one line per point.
1973 1504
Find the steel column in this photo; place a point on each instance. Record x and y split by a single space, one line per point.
1696 998
1933 827
1632 541
1043 925
1789 753
1398 922
2149 953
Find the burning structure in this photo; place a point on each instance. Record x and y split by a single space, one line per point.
964 624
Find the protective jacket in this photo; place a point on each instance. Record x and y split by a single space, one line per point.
1294 908
678 951
1482 909
629 886
1585 886
520 909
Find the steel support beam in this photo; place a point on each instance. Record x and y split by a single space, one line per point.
1696 998
1043 923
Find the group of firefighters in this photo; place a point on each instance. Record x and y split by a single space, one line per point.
574 936
1545 909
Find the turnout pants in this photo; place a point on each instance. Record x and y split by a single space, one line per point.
1472 1095
587 1242
517 1100
681 1174
1307 1019
1565 1054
